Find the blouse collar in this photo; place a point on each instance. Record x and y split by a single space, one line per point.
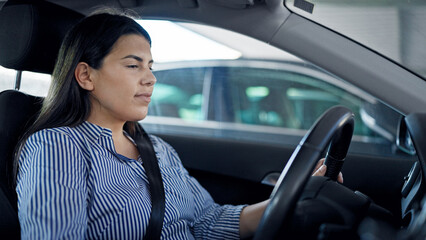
94 132
99 135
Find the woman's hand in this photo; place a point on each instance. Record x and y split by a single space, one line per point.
251 215
320 170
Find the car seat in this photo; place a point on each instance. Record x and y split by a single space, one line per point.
30 36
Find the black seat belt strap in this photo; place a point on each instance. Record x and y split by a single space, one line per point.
150 163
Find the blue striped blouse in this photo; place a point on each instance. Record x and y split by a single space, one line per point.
72 184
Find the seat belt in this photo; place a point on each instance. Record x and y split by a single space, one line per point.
150 163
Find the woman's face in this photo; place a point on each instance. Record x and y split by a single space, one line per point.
122 87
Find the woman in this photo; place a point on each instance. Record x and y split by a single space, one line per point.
80 174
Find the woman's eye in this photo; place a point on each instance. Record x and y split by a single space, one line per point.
132 66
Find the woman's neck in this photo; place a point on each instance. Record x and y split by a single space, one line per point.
122 144
116 127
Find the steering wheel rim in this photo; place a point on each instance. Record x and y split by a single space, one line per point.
334 126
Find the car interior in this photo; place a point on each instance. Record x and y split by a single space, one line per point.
383 194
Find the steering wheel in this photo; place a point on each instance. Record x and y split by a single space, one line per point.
334 128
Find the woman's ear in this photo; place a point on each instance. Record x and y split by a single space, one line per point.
82 75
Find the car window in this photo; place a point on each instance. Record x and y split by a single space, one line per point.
36 84
287 99
258 96
273 97
33 83
399 32
179 94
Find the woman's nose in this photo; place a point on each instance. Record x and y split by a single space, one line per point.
148 78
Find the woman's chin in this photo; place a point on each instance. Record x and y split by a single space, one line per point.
139 117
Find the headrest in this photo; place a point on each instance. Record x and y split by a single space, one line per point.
31 33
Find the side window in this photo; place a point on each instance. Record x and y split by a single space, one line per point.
178 93
7 78
32 83
287 99
36 84
248 90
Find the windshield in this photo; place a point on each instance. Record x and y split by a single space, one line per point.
394 28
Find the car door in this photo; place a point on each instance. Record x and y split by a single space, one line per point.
235 123
275 103
235 131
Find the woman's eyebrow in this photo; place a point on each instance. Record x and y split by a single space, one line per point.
139 59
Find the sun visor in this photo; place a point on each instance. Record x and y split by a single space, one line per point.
31 33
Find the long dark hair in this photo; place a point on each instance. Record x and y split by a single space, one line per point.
89 41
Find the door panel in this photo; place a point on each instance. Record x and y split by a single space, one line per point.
232 170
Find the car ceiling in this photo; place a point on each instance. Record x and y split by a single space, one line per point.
271 22
252 22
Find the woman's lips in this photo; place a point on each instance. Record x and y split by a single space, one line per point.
143 97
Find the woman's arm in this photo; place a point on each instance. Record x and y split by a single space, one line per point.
206 219
250 218
51 188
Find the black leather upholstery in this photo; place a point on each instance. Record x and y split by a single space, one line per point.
9 224
31 32
17 111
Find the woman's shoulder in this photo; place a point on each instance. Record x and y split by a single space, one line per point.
68 135
164 151
53 140
159 144
52 132
53 147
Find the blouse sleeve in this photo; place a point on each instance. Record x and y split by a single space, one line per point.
51 188
212 221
